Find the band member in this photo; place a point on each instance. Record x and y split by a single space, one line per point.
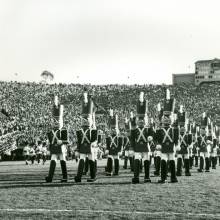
100 150
213 153
58 138
114 144
152 144
129 152
95 148
202 144
167 136
133 123
185 141
218 155
158 146
39 151
26 152
44 152
87 139
140 138
189 131
195 149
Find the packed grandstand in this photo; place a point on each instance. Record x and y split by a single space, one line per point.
27 106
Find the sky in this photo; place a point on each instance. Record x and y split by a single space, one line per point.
106 41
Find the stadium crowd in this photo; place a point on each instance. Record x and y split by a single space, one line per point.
29 104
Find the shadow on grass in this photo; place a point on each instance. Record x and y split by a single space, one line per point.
27 184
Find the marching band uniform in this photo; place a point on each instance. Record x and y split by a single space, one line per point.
140 138
39 151
58 138
129 152
95 147
151 143
114 144
189 131
218 155
97 143
100 144
133 123
195 148
202 144
213 153
168 136
158 146
86 140
44 152
185 141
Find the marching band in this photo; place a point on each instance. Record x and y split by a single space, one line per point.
171 139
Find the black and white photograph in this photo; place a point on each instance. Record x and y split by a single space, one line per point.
110 109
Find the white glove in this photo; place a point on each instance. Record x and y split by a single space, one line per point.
107 152
177 147
150 138
197 148
190 146
158 147
59 142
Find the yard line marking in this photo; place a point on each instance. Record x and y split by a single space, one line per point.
111 212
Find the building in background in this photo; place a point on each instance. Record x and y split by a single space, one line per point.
205 71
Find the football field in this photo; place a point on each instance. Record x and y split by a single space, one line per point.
25 195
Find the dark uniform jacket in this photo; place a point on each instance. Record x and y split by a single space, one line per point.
84 139
126 143
139 138
53 136
114 144
185 140
167 137
202 143
194 150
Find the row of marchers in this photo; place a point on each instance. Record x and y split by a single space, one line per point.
171 138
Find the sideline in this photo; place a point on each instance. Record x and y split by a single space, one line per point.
112 212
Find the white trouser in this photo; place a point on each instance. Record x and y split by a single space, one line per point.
204 154
61 156
92 156
129 153
186 156
213 154
157 153
168 156
142 155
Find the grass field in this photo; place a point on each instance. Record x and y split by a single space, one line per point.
25 195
